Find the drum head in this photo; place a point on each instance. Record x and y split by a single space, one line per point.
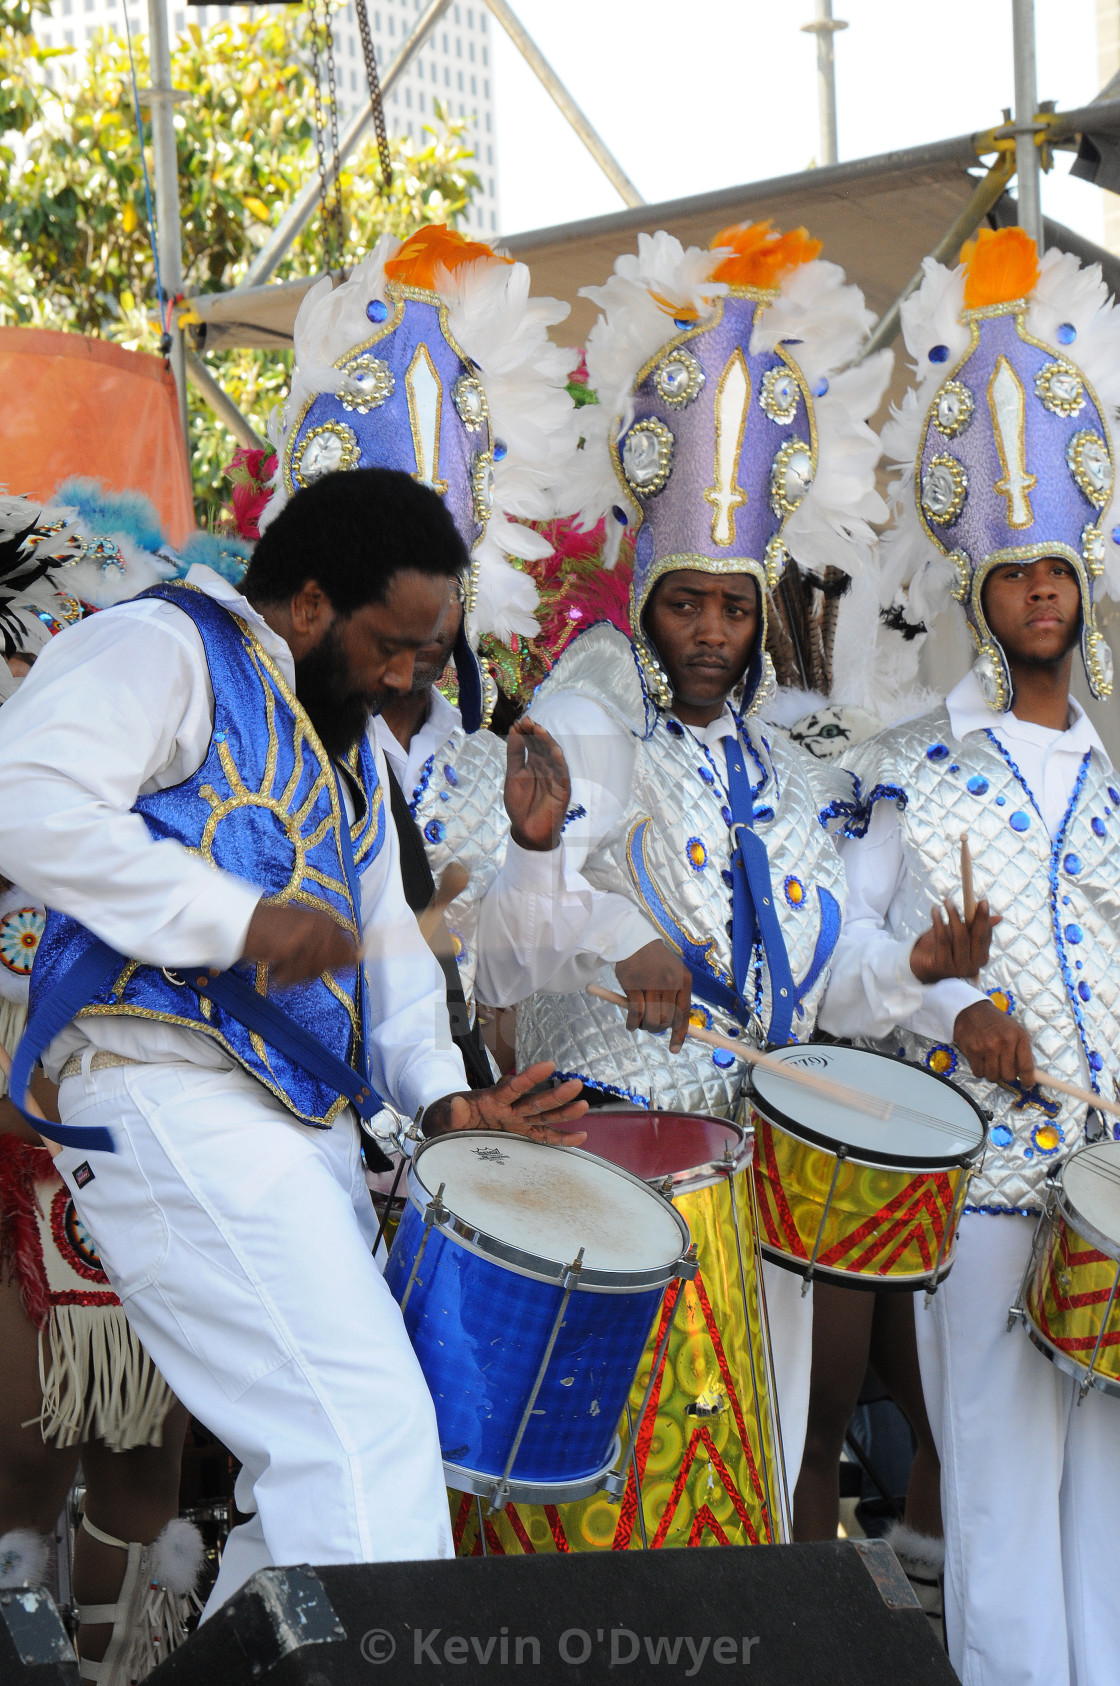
544 1203
933 1124
1091 1191
654 1145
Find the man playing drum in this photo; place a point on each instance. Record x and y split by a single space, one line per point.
229 976
695 873
1009 511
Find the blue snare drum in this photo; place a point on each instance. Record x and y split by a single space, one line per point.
529 1277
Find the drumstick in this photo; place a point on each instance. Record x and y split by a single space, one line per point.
840 1093
968 888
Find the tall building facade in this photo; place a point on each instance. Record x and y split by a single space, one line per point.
454 67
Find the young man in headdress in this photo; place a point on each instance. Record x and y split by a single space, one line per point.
696 875
229 978
1009 511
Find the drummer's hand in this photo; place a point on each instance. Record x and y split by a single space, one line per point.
658 988
538 790
517 1105
952 947
995 1045
297 943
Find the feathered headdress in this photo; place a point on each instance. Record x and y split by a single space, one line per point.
731 433
84 549
1003 448
432 358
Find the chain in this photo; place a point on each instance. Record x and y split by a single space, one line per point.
375 103
330 202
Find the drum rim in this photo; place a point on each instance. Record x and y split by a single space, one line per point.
480 1485
1065 1208
867 1156
1062 1360
929 1281
534 1265
691 1179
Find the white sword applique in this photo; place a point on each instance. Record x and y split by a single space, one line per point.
425 407
1008 405
726 496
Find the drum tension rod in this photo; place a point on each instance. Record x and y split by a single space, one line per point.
434 1213
569 1282
1017 1313
615 1484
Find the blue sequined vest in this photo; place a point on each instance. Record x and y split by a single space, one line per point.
264 805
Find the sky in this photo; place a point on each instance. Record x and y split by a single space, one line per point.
695 96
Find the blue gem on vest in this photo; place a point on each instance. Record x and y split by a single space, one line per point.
450 775
1074 933
445 796
706 775
620 515
938 752
501 450
1001 1135
939 353
435 831
219 737
675 727
1072 864
1084 991
1077 965
1098 826
728 816
1000 801
978 785
764 814
1095 1061
1114 794
1067 333
954 768
683 323
727 879
821 388
1019 821
376 311
723 1057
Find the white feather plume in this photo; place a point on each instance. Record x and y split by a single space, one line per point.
504 332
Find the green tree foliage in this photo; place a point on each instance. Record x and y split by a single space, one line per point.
74 244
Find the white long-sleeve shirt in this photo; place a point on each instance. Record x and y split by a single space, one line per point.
542 925
871 987
121 705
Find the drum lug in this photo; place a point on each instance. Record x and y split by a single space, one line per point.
689 1265
615 1484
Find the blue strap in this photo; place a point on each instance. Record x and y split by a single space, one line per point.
79 984
715 992
752 902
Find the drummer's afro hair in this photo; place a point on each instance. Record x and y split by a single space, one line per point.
352 532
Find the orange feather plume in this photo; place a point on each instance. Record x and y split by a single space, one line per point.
433 248
1001 264
760 255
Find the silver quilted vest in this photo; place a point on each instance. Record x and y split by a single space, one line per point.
462 817
671 857
1053 958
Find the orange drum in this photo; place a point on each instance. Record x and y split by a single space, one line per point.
869 1195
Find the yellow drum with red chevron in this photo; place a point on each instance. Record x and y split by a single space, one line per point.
867 1187
705 1469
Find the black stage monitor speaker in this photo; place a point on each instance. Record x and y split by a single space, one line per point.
34 1647
839 1614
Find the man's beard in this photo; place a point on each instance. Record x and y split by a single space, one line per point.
338 713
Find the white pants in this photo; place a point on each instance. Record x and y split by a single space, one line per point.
790 1315
1030 1481
239 1242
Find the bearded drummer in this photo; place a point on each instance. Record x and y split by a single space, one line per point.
1011 514
695 875
222 819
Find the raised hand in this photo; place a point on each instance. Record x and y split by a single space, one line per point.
513 1106
954 947
297 943
538 790
995 1045
658 987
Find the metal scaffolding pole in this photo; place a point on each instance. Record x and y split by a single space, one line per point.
590 137
221 403
302 207
1027 167
824 26
169 237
